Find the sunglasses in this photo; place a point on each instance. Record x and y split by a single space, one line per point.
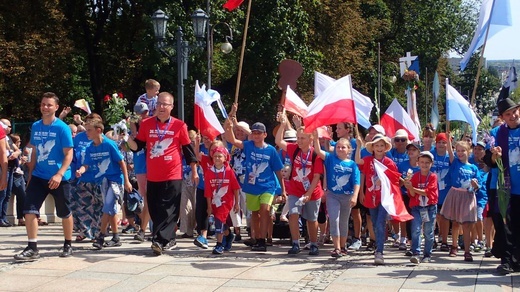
400 139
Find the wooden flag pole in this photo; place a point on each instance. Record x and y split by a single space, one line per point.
473 95
242 51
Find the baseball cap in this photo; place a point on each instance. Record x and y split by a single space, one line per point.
378 128
140 108
258 127
426 154
413 144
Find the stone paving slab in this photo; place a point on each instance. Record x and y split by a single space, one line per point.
132 267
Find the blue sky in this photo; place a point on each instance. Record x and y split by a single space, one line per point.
505 45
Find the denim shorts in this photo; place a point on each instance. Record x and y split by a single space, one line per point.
112 194
37 192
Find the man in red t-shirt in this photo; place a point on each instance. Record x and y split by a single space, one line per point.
166 140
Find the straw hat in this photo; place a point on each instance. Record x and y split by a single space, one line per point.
377 138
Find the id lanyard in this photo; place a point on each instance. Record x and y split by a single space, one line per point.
423 199
304 162
160 135
219 181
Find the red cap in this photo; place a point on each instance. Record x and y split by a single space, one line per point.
441 137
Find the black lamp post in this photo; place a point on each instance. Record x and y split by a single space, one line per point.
182 48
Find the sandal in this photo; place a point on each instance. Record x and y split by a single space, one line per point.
468 257
80 238
42 223
453 251
336 253
21 223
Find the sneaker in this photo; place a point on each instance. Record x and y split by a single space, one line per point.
307 246
488 253
408 253
478 246
201 242
356 244
139 236
328 240
218 249
379 259
461 242
468 257
426 259
100 241
113 242
396 243
402 246
66 252
229 241
336 253
314 250
505 269
269 242
371 246
238 238
130 229
27 255
172 244
259 247
415 259
157 248
295 249
472 247
445 247
186 235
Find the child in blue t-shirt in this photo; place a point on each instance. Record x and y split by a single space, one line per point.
343 182
104 161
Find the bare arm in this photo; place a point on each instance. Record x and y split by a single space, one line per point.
230 136
127 184
321 154
359 144
450 148
56 179
3 163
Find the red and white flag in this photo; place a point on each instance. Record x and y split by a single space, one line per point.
396 118
391 197
294 103
83 104
334 105
232 4
205 118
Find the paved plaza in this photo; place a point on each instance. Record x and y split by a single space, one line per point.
132 267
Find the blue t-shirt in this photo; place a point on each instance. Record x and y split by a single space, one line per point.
81 142
403 168
103 161
260 167
397 157
140 162
49 142
342 175
200 172
441 166
461 174
514 158
284 156
481 193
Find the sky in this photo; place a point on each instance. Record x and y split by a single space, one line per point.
505 45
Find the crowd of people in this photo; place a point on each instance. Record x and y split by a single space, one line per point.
322 189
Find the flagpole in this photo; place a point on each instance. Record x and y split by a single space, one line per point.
447 121
426 99
378 82
473 95
242 51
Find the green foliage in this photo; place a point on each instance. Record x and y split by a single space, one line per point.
115 108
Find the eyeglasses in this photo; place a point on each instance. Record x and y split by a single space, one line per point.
163 104
400 139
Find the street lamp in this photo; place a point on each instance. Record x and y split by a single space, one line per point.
225 47
182 48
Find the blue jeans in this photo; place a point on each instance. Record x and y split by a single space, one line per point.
5 195
429 227
378 216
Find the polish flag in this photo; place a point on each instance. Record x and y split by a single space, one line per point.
334 105
83 104
231 5
396 118
294 103
391 197
362 103
205 118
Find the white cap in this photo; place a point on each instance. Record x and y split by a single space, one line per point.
244 127
378 128
401 133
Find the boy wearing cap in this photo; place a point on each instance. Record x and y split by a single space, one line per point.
442 159
262 167
423 190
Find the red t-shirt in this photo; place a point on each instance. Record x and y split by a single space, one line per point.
303 175
2 133
164 143
373 192
429 185
220 185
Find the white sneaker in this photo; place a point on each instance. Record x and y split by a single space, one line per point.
378 259
356 245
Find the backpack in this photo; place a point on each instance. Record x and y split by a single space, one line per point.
134 202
